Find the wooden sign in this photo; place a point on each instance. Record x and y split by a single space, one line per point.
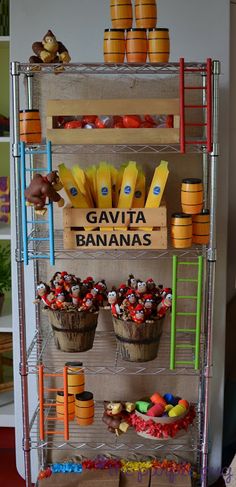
136 228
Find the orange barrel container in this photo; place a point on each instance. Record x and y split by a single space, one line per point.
158 45
192 196
146 14
181 230
75 377
84 408
114 46
121 14
60 406
201 228
30 127
136 46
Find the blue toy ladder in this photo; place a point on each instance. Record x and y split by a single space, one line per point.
32 222
177 331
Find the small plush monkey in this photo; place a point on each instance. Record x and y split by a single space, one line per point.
41 188
49 50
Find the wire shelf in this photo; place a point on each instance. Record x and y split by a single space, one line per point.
117 149
97 438
109 68
39 249
104 358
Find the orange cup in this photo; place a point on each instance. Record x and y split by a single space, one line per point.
136 46
30 127
84 408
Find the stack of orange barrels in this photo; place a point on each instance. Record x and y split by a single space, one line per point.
137 43
80 402
193 224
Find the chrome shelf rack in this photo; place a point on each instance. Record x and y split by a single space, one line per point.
98 439
103 358
42 348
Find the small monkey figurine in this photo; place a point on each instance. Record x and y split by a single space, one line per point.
42 187
49 50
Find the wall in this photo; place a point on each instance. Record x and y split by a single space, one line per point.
79 25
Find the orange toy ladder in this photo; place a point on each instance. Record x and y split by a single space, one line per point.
43 405
207 122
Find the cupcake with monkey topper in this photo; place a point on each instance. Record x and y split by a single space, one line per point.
137 314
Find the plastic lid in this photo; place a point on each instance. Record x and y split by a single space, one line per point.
61 393
74 364
25 111
84 396
114 30
192 181
181 215
159 28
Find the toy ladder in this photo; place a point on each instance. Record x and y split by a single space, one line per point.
50 406
207 107
176 329
30 223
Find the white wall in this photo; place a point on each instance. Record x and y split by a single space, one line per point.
198 29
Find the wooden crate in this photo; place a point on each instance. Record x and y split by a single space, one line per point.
148 136
93 229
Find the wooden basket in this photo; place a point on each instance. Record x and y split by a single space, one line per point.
138 343
73 330
139 228
151 136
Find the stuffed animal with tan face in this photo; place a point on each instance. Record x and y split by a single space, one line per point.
49 51
41 188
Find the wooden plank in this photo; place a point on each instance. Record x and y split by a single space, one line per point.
176 121
152 106
136 217
114 136
133 240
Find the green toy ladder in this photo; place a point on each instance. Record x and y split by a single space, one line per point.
176 330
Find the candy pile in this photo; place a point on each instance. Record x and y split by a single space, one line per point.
159 406
67 291
114 121
139 301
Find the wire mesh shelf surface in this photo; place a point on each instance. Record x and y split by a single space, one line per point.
109 68
97 438
103 358
37 249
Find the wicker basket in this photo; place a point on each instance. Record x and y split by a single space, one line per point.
73 330
138 343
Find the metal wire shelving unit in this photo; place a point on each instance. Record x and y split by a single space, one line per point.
42 348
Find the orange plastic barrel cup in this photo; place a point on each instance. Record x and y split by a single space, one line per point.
201 228
60 406
75 377
146 13
158 45
84 408
121 14
136 46
30 127
114 46
192 196
181 230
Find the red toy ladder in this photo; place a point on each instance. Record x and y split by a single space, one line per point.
207 121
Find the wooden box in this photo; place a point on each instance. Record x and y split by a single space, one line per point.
150 136
110 229
88 478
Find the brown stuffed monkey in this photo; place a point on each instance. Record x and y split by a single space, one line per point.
42 187
49 50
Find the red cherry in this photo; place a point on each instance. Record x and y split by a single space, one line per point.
73 124
131 121
89 119
41 475
48 472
